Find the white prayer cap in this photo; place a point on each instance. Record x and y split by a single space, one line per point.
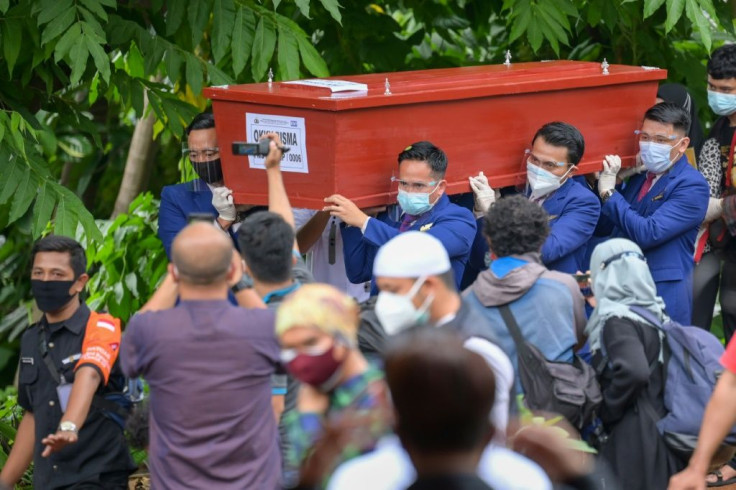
411 254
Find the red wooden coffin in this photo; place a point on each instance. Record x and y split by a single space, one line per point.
483 117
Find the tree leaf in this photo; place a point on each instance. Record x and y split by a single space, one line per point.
534 33
692 9
521 24
242 40
223 21
288 54
4 5
65 223
58 25
303 7
43 209
23 197
651 6
135 62
175 10
12 173
674 12
102 62
264 43
94 6
52 10
11 43
194 74
199 14
173 63
333 8
131 282
79 55
313 62
70 37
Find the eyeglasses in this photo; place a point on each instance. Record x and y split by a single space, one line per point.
662 139
621 255
201 155
548 165
414 186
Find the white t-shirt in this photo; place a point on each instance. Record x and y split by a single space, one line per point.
388 467
319 257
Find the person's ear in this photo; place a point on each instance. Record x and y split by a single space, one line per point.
79 284
682 147
173 272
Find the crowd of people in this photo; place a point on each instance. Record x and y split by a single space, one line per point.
404 347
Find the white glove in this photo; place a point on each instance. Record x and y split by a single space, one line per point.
484 194
222 200
607 179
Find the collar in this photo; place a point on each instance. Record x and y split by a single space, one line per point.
74 323
446 319
280 293
503 265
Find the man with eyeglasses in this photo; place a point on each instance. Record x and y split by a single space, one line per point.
204 195
661 209
573 210
424 207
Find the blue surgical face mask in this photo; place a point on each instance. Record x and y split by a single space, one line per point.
415 203
722 104
656 156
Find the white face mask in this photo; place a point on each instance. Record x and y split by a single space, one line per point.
396 312
542 181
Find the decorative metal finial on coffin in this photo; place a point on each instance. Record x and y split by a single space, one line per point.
508 58
604 67
388 87
270 76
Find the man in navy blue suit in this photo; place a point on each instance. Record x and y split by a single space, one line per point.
573 210
424 207
662 209
204 195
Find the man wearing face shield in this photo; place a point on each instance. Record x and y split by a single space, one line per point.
661 209
317 328
424 207
573 210
207 194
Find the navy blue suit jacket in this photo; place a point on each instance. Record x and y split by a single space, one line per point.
664 224
451 224
177 201
573 214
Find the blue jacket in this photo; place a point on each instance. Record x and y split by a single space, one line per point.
177 201
573 214
453 225
664 224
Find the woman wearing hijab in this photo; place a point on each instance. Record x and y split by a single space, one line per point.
630 349
678 94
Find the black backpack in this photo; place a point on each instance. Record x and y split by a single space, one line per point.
569 389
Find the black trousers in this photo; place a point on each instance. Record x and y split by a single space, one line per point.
716 271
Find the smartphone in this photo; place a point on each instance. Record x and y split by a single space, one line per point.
582 277
208 217
259 149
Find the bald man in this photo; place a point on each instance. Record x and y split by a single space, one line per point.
209 365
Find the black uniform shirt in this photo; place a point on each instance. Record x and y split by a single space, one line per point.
101 447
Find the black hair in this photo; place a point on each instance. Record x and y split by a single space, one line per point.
203 120
563 135
267 242
722 63
669 113
59 243
460 392
515 226
424 151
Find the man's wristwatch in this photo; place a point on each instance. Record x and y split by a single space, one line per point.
245 282
66 426
606 195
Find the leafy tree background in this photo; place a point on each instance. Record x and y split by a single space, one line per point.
94 96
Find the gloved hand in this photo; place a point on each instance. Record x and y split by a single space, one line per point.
607 179
222 200
484 194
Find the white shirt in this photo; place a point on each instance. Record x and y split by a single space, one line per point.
318 257
388 467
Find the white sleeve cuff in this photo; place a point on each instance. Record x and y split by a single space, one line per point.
365 225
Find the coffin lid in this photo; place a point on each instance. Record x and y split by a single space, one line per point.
409 87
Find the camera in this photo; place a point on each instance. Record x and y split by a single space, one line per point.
259 149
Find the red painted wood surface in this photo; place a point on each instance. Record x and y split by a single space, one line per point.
483 117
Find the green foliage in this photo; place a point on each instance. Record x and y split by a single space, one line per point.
10 416
128 264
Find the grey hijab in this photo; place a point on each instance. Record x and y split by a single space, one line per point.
620 278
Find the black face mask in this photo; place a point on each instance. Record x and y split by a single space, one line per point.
210 172
51 296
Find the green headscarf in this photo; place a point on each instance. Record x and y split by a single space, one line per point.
620 278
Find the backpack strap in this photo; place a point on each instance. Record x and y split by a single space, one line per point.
514 330
44 349
646 315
